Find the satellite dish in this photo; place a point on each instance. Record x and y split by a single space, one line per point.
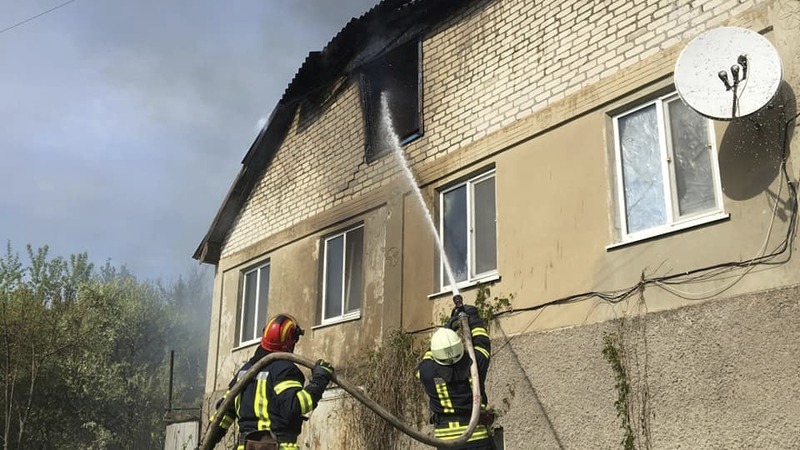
728 72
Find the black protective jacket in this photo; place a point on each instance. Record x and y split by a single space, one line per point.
449 388
274 400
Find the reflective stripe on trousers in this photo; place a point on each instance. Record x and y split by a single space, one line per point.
452 430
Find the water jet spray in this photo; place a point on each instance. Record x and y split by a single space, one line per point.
397 149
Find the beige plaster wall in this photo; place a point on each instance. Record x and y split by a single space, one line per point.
719 375
294 285
555 244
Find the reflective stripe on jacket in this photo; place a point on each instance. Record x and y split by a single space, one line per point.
274 400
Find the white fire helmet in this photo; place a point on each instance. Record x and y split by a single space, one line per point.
446 346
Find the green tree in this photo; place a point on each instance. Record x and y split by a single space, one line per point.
85 353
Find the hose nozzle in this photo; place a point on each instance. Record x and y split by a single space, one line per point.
459 302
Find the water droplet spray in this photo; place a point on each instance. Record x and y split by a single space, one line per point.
394 142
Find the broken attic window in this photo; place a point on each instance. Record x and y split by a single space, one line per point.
396 73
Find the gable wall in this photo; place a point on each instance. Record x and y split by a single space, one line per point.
482 73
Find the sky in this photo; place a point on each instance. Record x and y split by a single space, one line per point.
125 121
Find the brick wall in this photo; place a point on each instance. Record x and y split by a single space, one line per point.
483 71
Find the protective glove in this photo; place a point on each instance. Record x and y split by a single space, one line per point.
452 323
321 375
474 318
323 370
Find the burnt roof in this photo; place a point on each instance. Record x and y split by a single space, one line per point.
316 83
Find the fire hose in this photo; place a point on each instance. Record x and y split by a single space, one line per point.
361 397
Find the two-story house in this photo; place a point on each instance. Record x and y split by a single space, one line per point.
649 250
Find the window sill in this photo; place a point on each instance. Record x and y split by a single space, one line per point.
700 221
491 278
341 319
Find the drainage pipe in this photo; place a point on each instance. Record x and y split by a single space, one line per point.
361 397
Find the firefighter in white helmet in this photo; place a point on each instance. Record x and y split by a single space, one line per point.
445 374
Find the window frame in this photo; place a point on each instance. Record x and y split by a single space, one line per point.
242 307
673 222
371 105
472 277
345 315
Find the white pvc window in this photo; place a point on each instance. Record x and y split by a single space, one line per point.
468 227
667 174
342 275
254 301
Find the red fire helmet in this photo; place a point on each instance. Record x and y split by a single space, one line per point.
281 334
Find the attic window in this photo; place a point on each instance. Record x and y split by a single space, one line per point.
398 73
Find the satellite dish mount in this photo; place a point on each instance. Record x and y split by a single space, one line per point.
723 75
749 84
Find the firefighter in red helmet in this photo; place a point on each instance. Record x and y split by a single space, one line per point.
271 407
